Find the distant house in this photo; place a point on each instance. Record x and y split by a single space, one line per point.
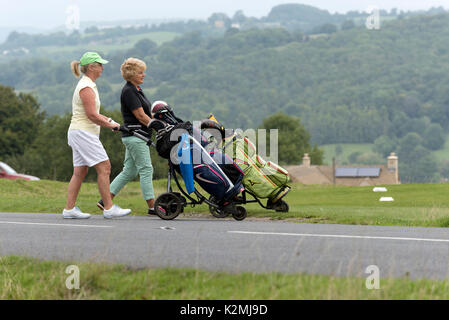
219 24
346 175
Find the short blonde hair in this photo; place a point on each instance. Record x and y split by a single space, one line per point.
131 67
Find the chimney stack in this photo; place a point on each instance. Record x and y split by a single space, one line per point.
392 165
306 160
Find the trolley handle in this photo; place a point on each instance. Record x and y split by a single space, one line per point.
129 128
136 130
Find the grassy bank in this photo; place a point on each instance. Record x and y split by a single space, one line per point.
24 278
414 204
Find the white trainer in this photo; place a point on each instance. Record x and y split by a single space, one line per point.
74 213
115 212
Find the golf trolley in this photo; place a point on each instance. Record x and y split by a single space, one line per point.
170 204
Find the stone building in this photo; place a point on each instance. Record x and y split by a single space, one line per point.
346 175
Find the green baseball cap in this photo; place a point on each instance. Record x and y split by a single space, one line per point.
90 57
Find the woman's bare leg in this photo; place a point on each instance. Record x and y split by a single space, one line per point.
103 180
79 173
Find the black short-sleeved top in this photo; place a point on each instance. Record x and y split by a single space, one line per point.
131 99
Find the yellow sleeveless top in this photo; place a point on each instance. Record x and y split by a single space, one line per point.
80 121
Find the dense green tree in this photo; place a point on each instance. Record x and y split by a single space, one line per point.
239 17
219 17
418 125
418 166
411 105
408 145
384 145
92 29
293 139
20 120
434 137
325 28
348 24
307 15
50 157
143 48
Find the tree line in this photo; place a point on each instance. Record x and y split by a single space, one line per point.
36 144
293 17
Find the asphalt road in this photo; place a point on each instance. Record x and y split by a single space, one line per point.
229 245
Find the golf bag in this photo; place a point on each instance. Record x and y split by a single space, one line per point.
263 179
214 171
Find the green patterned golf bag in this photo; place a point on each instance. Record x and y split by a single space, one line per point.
263 179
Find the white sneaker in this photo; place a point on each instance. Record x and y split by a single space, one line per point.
115 212
74 213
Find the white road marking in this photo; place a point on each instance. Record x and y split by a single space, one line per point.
338 236
54 224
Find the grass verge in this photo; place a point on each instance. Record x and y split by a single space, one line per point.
424 205
26 278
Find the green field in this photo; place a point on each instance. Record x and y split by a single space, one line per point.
106 46
25 278
415 204
111 44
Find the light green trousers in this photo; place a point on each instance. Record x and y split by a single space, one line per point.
137 162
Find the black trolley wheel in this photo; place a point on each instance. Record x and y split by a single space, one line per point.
218 212
281 206
240 213
168 206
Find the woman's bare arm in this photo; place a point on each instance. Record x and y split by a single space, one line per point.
141 116
87 96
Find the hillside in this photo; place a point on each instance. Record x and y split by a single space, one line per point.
385 87
353 72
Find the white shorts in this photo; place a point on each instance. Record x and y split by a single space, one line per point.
87 148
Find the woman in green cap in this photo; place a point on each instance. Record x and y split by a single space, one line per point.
83 137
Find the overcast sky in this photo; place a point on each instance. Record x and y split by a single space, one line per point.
53 13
